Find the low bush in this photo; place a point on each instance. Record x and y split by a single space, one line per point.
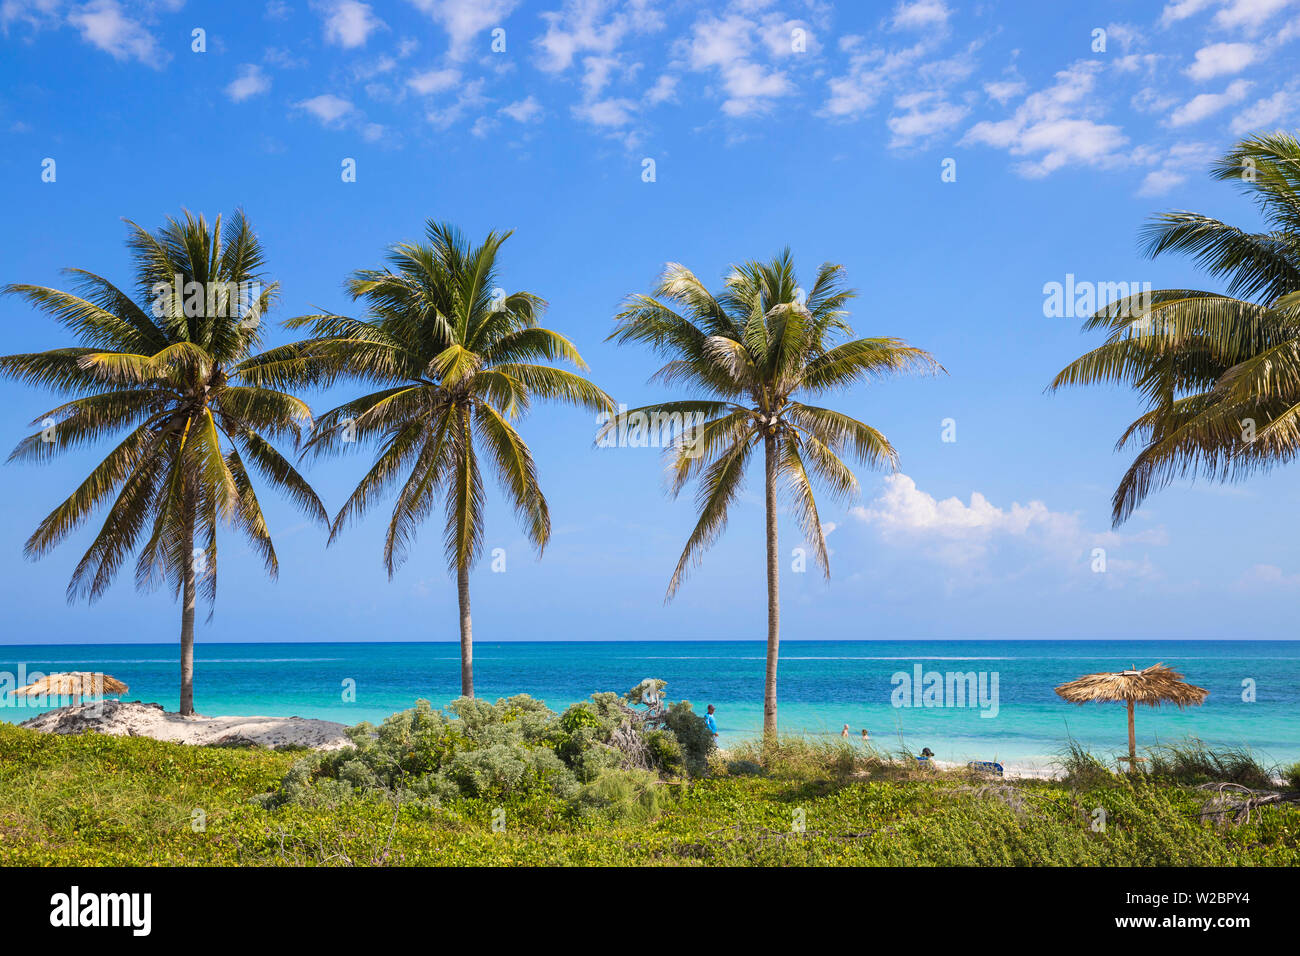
1194 762
1081 769
514 747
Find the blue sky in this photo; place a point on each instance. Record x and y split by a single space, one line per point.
825 127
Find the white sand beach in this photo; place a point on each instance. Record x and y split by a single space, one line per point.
138 719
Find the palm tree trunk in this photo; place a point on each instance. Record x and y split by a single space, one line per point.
773 593
466 633
188 591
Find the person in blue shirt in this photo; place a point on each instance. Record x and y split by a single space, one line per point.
709 719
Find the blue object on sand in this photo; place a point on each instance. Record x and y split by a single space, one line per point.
986 766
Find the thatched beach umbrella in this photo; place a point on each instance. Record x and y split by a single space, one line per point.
1154 686
74 684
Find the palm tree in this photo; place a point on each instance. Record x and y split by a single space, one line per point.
454 358
1219 372
169 365
753 349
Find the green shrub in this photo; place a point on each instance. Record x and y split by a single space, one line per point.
1194 762
623 795
1081 769
665 752
693 735
1292 776
515 747
796 756
95 800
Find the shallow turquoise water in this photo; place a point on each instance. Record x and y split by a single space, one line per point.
823 685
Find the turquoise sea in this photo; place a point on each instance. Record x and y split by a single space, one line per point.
823 685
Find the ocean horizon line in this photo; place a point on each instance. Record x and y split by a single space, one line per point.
686 640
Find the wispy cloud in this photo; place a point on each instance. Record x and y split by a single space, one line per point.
921 15
103 24
464 20
1205 105
957 534
434 81
348 23
327 108
1057 126
249 81
1222 59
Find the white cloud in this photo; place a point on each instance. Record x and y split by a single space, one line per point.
857 91
957 533
327 108
592 26
1267 577
464 20
727 46
434 81
1207 104
1248 15
613 113
349 23
591 33
1279 108
778 36
469 97
1160 181
904 508
921 15
37 14
1173 165
664 89
927 114
1182 9
1150 100
523 111
1004 90
1056 126
103 24
249 81
1222 59
873 71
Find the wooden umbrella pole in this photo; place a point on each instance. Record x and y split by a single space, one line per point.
1132 738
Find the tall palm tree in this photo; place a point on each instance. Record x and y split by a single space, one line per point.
756 349
454 358
1219 372
169 366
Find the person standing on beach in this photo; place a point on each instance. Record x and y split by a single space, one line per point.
709 719
845 731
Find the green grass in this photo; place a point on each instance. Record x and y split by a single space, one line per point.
100 800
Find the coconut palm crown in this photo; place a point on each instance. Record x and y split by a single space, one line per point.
455 359
1219 371
762 353
167 366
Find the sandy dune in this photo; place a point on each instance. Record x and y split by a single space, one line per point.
137 719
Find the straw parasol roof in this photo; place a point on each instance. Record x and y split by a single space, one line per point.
74 684
1153 686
